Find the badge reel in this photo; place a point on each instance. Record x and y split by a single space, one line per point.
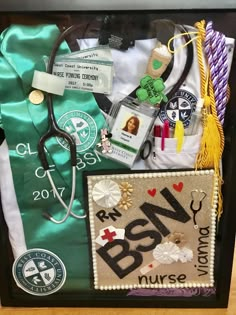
130 122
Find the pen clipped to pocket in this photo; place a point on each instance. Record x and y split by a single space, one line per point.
171 157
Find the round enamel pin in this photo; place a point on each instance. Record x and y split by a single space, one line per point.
39 272
36 97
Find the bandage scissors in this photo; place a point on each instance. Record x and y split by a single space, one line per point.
55 131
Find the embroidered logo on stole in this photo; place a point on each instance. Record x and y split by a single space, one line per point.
81 127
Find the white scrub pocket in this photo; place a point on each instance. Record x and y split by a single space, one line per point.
169 158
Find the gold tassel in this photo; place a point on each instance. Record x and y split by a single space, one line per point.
209 154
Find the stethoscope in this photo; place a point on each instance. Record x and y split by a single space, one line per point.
55 131
147 146
199 205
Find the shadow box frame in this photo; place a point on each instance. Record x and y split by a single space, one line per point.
223 19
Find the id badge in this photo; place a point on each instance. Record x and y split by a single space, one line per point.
131 126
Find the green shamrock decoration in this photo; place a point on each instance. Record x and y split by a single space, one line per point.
151 90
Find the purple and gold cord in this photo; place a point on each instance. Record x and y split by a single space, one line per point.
215 49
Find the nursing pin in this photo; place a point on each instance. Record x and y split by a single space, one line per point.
36 97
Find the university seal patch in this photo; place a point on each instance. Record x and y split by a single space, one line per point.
81 127
39 272
179 107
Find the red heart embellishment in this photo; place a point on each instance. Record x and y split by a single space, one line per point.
178 187
152 192
151 265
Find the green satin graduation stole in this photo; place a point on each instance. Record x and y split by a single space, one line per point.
22 51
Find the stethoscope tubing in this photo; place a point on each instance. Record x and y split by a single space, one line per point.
55 131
